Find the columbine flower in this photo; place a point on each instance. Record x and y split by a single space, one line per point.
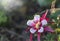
37 25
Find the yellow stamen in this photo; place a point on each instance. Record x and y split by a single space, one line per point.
37 25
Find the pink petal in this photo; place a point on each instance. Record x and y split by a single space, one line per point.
48 28
47 19
45 14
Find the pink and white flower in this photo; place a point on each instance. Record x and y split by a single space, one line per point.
35 23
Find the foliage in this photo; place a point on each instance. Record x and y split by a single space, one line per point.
44 2
3 17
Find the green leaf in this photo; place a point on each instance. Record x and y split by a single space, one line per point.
58 3
44 2
3 17
55 15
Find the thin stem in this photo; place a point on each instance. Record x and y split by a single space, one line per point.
38 36
31 37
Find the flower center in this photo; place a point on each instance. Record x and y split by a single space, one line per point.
37 25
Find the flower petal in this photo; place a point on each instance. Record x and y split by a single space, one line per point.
48 28
44 22
36 18
32 30
41 30
30 22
